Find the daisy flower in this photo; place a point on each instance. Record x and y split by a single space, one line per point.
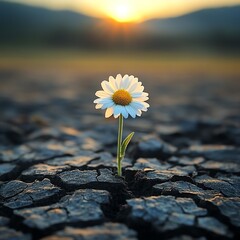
122 96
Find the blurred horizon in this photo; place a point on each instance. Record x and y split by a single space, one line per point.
215 30
130 10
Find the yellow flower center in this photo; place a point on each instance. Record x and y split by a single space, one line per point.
122 97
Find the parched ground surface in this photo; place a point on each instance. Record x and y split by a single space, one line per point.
57 161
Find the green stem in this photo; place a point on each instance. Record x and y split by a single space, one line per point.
119 157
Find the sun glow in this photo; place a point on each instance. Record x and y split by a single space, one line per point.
122 12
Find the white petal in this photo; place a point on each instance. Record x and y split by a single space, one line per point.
139 113
132 87
124 112
125 82
136 94
132 81
131 111
137 105
140 99
145 94
140 106
96 100
118 80
146 105
98 106
106 87
116 116
131 78
109 112
102 94
138 88
102 100
107 105
117 110
112 82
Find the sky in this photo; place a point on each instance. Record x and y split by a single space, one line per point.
131 10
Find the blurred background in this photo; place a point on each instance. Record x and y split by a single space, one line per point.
120 36
62 49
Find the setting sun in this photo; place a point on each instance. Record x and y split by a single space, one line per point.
122 12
